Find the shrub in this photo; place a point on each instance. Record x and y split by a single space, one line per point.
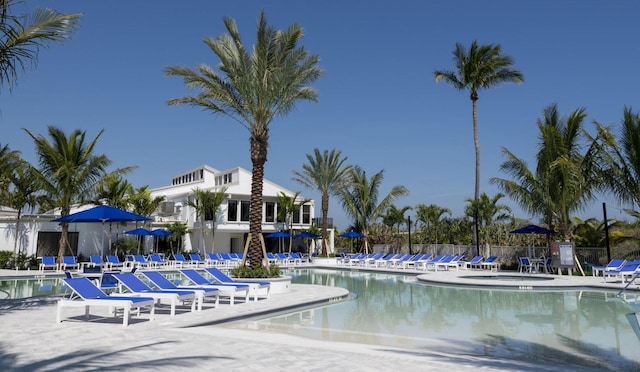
261 272
6 259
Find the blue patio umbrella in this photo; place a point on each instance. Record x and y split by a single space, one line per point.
532 229
140 231
102 213
306 234
279 235
352 235
160 232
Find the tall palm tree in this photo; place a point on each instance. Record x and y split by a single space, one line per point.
253 89
360 199
565 178
22 36
431 216
69 171
326 172
481 67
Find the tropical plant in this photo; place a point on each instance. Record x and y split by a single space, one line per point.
620 158
287 207
8 161
430 216
142 202
326 172
69 171
481 67
207 205
489 212
22 36
178 231
114 191
253 89
565 177
360 199
591 232
25 192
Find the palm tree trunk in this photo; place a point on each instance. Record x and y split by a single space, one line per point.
476 143
258 158
15 243
62 244
325 215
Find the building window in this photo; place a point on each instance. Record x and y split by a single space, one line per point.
296 216
232 210
306 214
244 210
269 211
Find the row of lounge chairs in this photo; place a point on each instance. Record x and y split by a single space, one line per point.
619 269
140 295
421 261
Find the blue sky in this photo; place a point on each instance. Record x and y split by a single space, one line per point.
379 103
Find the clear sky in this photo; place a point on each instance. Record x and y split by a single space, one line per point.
379 103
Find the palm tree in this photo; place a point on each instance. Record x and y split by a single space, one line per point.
431 217
142 203
207 205
360 199
252 90
489 212
22 36
620 158
482 67
565 178
326 172
8 160
25 193
114 191
287 207
69 171
178 231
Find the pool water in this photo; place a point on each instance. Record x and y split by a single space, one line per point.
574 328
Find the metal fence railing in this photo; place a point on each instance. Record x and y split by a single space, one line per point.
508 255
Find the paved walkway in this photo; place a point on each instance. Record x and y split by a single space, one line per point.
32 341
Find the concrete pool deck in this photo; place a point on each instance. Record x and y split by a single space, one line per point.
31 340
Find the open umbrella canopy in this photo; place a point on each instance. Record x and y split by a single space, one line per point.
160 232
305 235
352 234
102 213
139 231
279 234
532 229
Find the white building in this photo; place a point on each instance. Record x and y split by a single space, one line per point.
37 235
232 224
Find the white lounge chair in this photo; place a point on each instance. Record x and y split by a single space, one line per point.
224 289
89 295
137 286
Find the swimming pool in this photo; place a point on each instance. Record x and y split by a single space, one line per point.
572 327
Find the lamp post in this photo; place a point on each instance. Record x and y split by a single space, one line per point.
409 229
606 231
